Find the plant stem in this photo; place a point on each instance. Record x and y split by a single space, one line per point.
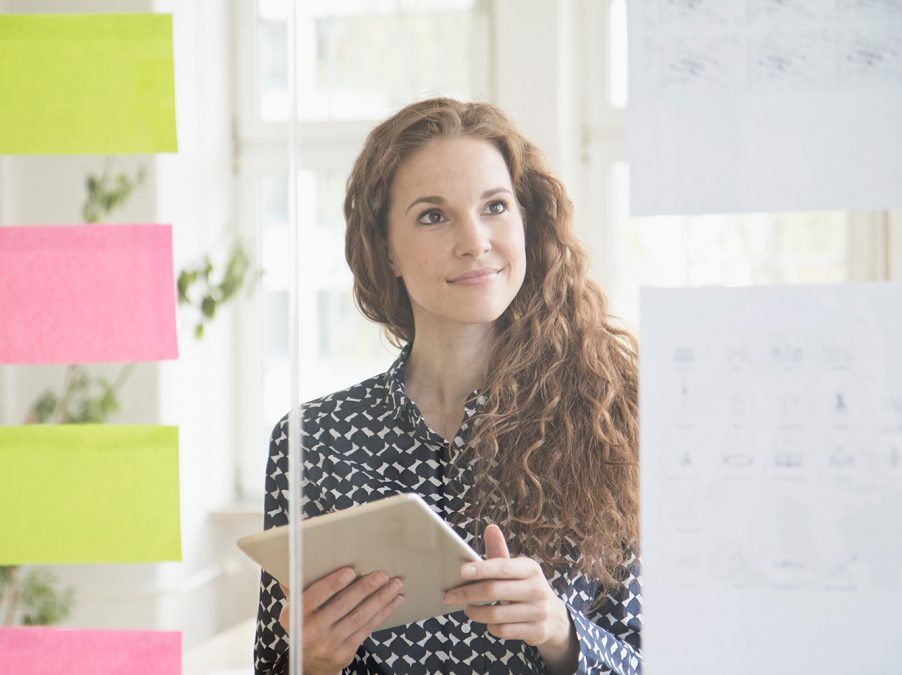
60 411
122 377
11 596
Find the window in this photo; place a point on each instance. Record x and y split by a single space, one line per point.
356 65
726 249
343 91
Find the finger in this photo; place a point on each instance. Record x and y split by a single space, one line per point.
501 568
357 637
320 591
284 617
518 612
495 545
509 590
531 633
346 600
363 614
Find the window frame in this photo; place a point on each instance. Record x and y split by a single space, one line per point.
260 148
572 121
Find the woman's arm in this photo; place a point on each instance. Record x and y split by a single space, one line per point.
527 608
271 643
609 637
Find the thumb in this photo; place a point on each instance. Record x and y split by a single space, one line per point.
495 546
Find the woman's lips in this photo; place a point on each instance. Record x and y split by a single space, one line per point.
476 278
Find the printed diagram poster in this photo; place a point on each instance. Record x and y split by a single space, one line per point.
764 105
771 469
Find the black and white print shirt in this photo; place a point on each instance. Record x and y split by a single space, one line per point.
370 441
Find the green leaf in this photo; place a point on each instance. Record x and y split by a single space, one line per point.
183 285
41 603
208 306
43 408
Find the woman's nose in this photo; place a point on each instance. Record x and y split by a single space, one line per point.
473 237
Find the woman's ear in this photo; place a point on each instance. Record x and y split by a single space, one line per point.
391 261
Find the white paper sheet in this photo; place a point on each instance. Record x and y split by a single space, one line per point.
771 466
764 105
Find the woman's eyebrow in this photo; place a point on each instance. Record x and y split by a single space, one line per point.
494 191
429 200
435 199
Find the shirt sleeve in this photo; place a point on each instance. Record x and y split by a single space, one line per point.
271 643
610 636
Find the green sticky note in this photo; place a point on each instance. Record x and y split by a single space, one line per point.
89 493
86 84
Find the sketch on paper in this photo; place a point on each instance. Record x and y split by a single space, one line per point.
780 13
791 463
798 59
871 57
748 105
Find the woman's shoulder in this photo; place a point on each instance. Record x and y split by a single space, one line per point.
369 397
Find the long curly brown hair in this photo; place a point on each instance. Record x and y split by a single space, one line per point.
554 450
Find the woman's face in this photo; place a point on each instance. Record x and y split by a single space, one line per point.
455 233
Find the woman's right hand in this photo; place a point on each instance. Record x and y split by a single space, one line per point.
339 613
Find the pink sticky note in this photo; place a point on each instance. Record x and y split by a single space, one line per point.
86 294
51 651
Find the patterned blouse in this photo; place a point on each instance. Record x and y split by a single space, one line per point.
370 441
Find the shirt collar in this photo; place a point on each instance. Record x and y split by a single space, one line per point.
397 397
398 401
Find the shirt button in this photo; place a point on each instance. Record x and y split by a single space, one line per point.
465 628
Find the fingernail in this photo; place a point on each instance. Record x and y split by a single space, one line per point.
469 570
448 599
397 585
347 576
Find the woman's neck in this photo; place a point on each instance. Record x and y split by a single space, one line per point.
444 368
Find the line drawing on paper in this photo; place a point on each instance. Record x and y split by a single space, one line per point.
737 405
737 356
779 12
787 354
839 403
738 459
788 572
788 460
697 64
840 355
872 10
791 59
871 58
684 356
698 13
844 565
841 458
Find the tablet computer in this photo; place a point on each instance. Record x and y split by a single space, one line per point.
400 535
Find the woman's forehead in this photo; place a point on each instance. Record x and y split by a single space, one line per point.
456 165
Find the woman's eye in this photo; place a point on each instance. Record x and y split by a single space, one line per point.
497 207
432 217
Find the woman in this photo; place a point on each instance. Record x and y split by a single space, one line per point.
513 402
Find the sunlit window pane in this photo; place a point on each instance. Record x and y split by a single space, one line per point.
729 250
337 343
617 54
363 59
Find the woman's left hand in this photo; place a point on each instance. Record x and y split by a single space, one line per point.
529 610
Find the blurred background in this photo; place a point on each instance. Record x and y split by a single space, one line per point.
559 68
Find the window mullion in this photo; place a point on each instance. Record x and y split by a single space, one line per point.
868 257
